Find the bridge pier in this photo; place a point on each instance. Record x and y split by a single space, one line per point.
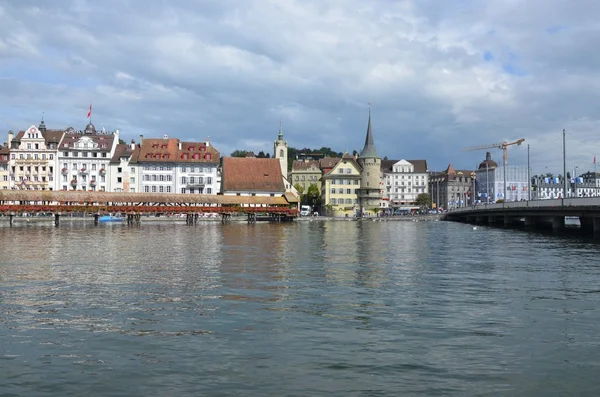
558 223
57 219
530 222
481 220
590 225
96 217
491 220
12 215
509 220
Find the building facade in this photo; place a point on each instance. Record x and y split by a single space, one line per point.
305 173
124 169
370 191
169 165
4 161
84 158
33 153
404 181
451 188
493 179
340 187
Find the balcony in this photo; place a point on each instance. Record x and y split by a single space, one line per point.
93 182
64 171
83 171
102 171
73 182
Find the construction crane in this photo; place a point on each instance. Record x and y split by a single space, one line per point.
504 147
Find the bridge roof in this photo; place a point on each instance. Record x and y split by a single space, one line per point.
106 197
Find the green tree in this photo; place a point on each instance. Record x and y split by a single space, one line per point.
300 190
312 196
122 142
423 200
261 155
239 153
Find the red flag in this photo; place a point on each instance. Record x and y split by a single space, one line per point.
90 111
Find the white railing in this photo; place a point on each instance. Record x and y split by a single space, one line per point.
569 202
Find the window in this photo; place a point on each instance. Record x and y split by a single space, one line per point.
161 189
183 191
75 154
85 154
147 189
132 170
132 179
119 170
153 189
209 180
119 180
333 181
29 146
168 189
104 154
333 201
208 190
93 167
348 191
183 179
183 169
66 154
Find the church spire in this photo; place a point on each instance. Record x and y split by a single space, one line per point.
280 136
369 151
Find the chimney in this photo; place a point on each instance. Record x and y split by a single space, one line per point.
208 142
141 139
179 144
10 136
132 144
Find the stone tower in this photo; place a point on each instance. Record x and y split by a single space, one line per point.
280 151
369 194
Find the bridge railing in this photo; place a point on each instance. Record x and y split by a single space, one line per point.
568 202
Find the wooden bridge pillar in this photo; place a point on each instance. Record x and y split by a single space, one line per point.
96 217
12 215
57 219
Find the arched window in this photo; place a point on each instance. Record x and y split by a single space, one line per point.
281 153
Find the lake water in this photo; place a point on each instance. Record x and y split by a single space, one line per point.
308 308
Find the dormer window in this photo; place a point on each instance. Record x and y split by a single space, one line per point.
196 156
155 146
185 156
190 148
163 146
208 156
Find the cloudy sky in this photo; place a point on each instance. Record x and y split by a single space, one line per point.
440 75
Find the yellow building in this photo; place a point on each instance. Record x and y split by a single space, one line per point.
339 188
305 173
4 174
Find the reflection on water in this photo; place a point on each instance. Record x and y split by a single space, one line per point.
312 308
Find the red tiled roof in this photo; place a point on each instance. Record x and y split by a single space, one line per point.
198 152
121 150
153 150
247 174
301 165
4 152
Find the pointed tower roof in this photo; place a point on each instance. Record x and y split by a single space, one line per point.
280 136
369 151
450 169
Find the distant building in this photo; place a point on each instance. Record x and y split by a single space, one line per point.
404 180
84 158
169 165
33 153
339 188
4 174
250 176
451 188
587 185
546 187
123 170
305 173
490 181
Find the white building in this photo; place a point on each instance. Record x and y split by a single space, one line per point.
33 153
169 165
123 169
84 158
493 179
403 181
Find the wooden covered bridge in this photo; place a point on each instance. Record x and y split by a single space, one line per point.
134 205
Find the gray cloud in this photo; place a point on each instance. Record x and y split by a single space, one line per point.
441 75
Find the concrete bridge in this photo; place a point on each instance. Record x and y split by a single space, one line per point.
534 214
